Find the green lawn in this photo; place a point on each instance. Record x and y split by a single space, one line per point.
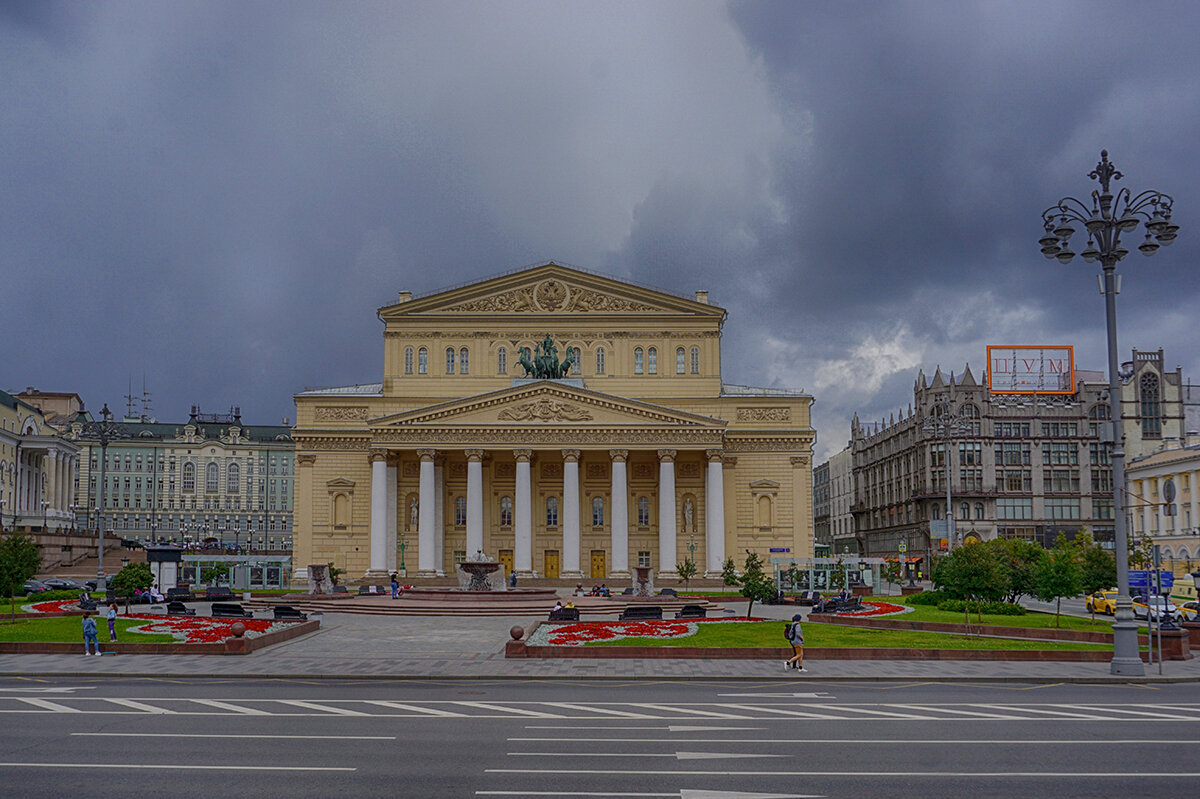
69 629
758 633
1102 624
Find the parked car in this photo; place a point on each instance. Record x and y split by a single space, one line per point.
1152 607
34 587
1102 602
62 584
1189 611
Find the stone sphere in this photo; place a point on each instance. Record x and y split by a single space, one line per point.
238 629
517 632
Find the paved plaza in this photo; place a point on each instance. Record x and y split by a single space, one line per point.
414 647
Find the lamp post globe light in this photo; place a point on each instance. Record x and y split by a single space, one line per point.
945 423
104 431
1107 218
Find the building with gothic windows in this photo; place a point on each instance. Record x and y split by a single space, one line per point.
566 423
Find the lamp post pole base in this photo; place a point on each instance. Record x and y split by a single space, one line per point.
1127 660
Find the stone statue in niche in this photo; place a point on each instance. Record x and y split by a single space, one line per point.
414 515
687 512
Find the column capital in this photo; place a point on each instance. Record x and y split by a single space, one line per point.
426 454
799 460
666 455
522 455
729 460
377 455
474 455
571 455
306 459
714 454
619 455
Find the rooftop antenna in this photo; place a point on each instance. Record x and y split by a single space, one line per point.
129 400
146 407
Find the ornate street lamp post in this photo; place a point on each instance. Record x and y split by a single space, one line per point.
403 546
944 423
104 431
1109 216
45 506
3 502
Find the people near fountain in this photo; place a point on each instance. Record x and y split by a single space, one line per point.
578 590
512 580
558 605
395 585
604 590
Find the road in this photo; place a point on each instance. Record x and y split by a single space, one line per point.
789 737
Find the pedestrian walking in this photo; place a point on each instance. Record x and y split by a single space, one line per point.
112 622
91 644
395 585
795 634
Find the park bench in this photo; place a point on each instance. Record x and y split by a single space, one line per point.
87 604
230 610
668 592
289 612
179 609
340 589
808 598
692 612
628 590
640 613
565 614
217 592
180 595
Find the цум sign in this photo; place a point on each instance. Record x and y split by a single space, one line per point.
1026 369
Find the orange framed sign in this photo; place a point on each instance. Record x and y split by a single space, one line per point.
1031 369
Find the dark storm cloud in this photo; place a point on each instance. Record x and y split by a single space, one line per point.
221 194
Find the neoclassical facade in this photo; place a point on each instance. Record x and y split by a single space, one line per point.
37 470
618 446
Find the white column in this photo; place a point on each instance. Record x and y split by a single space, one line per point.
50 467
439 516
714 517
1145 499
393 500
620 514
666 513
1194 488
378 556
425 520
570 518
523 516
474 502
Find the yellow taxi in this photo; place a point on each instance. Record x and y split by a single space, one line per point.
1102 602
1189 611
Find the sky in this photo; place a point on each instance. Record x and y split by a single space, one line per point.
218 196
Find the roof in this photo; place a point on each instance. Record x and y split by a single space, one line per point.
733 390
356 390
212 432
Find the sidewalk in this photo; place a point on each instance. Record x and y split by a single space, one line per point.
408 647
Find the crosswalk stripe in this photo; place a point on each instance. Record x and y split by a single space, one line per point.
45 704
517 710
424 711
796 714
1056 713
335 711
1157 715
587 709
142 706
876 713
973 713
674 709
245 711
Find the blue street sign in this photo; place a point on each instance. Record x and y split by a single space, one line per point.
1144 578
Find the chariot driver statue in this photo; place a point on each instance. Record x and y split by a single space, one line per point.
545 364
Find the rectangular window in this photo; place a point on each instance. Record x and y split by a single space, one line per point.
1011 429
1012 454
1060 453
1100 453
1059 508
937 455
971 479
1014 481
1014 508
970 453
1102 480
1060 481
643 558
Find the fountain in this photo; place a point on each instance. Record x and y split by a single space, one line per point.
482 584
479 574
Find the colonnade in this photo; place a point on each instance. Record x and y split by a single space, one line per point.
431 489
1152 504
42 475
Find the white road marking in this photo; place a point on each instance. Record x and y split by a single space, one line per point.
679 709
671 727
1155 715
420 711
240 709
335 711
877 713
686 728
142 706
517 710
1057 713
796 695
50 689
686 793
943 709
796 714
231 735
1104 775
865 741
46 704
176 767
676 755
586 709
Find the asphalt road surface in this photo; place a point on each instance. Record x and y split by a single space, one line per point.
787 738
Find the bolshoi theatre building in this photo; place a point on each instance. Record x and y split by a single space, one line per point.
568 424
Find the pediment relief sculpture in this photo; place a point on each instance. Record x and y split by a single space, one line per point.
545 410
551 296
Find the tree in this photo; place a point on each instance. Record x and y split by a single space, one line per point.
134 577
19 561
1020 559
1097 566
890 571
755 583
686 571
972 572
215 573
1139 551
837 577
334 572
1058 576
729 573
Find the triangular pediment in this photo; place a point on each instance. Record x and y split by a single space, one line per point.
546 403
339 482
550 289
765 485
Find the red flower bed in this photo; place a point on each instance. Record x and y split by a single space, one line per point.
56 606
586 632
877 609
198 630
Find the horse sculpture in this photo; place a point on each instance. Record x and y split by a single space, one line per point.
545 364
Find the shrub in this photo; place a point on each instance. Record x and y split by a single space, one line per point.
926 598
995 608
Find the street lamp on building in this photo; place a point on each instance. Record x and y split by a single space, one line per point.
45 507
104 431
945 423
692 547
1105 220
403 546
3 502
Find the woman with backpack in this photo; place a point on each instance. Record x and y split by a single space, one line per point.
795 635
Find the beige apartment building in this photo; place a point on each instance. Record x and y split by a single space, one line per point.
566 423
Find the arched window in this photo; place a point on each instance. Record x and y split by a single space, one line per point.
506 511
765 512
189 477
680 361
422 361
449 360
652 360
599 360
502 361
212 476
341 510
639 361
576 356
643 511
408 360
552 511
978 510
1150 411
463 362
598 512
460 511
232 473
695 355
964 511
